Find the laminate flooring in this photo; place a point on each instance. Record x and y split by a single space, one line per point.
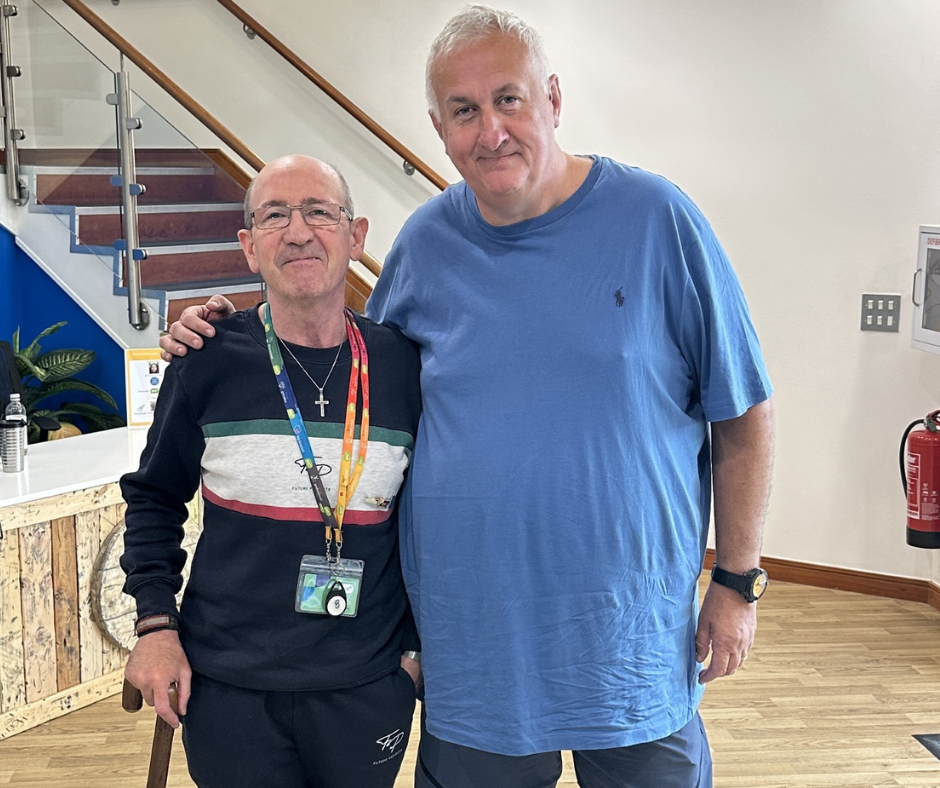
832 694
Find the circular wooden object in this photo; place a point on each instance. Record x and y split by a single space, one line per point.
112 610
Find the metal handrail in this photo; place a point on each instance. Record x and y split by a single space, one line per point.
252 24
16 189
138 314
145 65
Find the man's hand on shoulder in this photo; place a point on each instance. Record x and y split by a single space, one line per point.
727 625
156 662
195 323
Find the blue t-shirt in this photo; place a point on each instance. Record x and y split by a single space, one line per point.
560 484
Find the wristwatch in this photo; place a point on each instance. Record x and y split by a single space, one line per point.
751 585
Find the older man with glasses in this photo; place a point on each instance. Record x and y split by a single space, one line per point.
294 647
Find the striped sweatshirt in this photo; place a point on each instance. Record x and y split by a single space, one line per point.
220 427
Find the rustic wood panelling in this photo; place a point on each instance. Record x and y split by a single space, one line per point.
87 525
115 612
38 612
12 661
65 592
54 656
110 518
32 714
64 505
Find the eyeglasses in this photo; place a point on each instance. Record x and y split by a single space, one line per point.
315 214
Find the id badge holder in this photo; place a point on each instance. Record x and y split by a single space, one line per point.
329 588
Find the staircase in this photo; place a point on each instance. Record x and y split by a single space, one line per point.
189 215
188 219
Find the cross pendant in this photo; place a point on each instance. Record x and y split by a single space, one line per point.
322 402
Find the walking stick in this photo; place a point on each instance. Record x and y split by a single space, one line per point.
162 747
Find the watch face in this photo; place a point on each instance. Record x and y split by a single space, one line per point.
759 586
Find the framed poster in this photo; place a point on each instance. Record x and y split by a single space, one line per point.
143 374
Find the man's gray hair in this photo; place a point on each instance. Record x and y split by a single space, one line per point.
475 23
347 195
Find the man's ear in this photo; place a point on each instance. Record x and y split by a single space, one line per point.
554 95
248 247
358 228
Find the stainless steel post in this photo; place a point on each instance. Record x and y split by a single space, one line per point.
138 314
16 189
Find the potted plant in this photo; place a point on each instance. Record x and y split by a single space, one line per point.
49 374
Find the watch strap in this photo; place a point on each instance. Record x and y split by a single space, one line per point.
744 584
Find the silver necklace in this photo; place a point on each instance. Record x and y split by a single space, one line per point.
323 401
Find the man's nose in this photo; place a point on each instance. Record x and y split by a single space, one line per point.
297 231
493 131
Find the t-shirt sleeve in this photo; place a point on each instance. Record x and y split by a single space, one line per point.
718 335
382 304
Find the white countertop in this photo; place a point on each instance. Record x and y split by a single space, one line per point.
70 464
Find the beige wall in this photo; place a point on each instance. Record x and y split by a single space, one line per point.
808 131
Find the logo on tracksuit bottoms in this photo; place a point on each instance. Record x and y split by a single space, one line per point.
390 745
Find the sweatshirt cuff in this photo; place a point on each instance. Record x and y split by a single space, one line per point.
155 598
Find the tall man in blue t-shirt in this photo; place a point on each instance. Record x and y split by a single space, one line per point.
589 372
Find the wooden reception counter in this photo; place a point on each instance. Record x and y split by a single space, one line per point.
55 651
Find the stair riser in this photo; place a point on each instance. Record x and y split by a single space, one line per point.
240 300
79 189
163 227
170 269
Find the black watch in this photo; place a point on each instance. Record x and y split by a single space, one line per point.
751 585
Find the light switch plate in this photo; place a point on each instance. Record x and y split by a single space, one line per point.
880 312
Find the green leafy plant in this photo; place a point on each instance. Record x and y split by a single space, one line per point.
47 375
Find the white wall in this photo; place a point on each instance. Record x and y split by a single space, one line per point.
808 131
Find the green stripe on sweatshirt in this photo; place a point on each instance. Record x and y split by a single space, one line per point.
314 430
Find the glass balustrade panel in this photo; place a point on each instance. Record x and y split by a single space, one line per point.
190 208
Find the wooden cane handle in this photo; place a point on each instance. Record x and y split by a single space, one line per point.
131 699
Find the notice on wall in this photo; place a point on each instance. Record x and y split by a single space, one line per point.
143 374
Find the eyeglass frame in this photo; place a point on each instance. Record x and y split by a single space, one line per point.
300 207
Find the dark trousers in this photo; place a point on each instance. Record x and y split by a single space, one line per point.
681 760
350 738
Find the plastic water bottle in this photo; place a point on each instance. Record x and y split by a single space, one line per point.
16 410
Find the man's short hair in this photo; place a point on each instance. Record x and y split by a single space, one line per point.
475 23
347 195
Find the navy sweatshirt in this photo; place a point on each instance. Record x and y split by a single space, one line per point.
220 424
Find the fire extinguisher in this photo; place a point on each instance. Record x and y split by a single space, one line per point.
920 475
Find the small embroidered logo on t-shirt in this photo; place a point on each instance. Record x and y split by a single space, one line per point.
618 296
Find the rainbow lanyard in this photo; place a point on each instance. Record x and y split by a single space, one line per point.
359 370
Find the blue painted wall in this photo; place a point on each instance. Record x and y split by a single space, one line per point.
29 298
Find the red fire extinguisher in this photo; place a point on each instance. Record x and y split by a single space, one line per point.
922 481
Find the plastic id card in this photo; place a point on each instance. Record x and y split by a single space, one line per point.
329 588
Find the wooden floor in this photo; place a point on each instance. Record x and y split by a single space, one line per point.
832 693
